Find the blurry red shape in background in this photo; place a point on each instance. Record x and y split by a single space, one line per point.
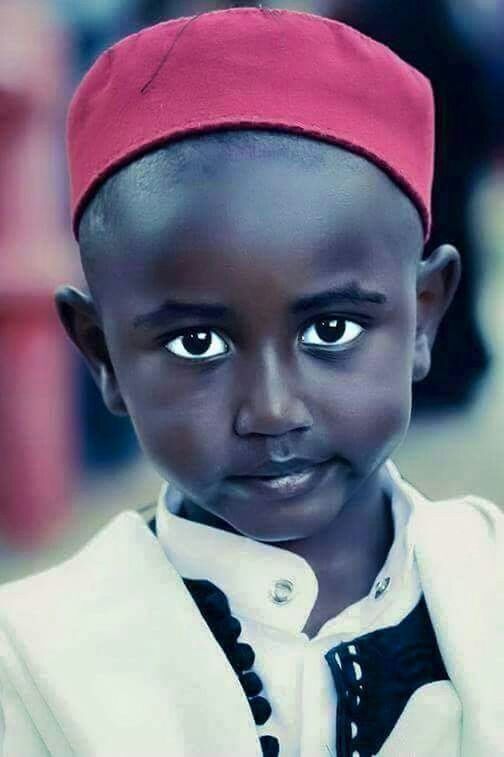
37 449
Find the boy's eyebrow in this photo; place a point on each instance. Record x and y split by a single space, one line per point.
350 293
174 309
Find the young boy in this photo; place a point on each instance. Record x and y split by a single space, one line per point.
251 198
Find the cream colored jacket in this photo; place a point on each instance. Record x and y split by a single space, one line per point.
94 662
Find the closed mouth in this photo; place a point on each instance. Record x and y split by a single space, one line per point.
281 470
287 481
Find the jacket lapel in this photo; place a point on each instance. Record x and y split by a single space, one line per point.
119 659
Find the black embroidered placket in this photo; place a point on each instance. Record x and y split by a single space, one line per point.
375 675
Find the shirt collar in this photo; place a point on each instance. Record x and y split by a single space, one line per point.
254 575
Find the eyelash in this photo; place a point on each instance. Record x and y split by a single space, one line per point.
202 331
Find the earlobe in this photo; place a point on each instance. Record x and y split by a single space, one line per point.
81 321
437 281
110 392
422 361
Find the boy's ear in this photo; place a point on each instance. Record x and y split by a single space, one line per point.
437 280
81 321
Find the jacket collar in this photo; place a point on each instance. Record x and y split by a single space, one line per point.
248 570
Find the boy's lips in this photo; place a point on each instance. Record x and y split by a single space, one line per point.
273 468
283 480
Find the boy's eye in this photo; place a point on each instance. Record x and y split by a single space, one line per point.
331 332
194 345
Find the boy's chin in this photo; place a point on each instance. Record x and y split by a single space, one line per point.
287 522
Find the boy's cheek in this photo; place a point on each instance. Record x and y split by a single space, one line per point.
372 420
186 445
388 422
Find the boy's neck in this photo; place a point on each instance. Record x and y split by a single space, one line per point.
361 533
348 555
345 557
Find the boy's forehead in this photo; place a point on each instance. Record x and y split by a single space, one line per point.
261 189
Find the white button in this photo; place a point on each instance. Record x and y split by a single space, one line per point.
282 591
354 729
381 587
352 649
338 659
355 754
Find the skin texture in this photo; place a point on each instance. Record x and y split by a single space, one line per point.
254 222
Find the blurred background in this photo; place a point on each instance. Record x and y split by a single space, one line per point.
67 466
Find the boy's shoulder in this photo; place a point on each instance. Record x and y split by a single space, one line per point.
101 627
116 530
456 541
124 553
461 520
467 517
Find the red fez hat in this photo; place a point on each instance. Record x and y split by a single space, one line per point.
252 68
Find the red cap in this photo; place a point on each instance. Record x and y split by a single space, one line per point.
252 68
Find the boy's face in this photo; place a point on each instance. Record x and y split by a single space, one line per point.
258 300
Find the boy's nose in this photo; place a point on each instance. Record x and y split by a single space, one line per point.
269 405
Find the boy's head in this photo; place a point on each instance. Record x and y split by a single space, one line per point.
259 304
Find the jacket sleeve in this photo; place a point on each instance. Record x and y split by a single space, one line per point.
18 735
459 549
2 729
